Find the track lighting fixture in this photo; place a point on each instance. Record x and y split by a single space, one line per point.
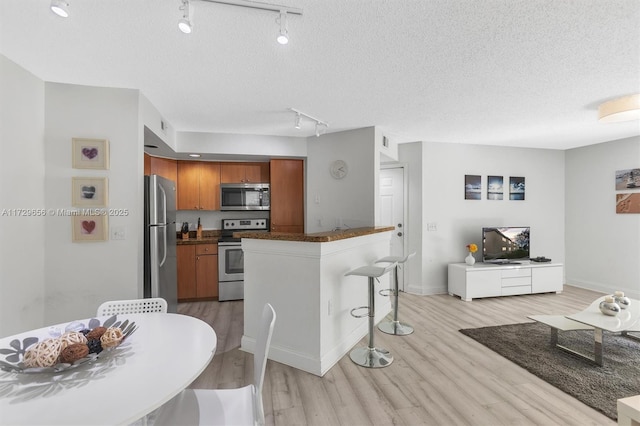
283 35
184 24
321 126
283 11
60 8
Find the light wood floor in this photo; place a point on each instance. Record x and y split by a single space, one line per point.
438 377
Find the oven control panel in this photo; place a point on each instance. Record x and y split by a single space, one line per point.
245 224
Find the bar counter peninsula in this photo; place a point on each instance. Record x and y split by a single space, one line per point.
302 276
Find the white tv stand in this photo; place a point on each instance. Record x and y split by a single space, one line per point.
490 280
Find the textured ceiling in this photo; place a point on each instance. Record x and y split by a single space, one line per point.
527 73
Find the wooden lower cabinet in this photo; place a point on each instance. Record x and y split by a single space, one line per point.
197 272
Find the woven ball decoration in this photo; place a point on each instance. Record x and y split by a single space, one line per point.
111 338
96 333
74 352
43 354
71 338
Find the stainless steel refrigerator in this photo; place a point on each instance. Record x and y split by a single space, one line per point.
160 276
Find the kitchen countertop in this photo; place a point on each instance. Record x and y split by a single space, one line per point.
208 237
319 237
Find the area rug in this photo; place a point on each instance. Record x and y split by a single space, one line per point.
528 346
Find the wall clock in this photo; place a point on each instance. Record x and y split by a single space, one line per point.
339 169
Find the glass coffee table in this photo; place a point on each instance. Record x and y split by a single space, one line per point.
627 321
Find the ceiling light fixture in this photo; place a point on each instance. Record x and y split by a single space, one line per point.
60 8
185 23
626 108
283 35
194 155
321 126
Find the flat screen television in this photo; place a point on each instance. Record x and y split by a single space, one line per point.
507 244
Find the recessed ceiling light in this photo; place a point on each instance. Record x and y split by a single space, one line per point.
194 155
151 146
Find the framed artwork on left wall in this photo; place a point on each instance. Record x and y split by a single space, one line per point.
90 153
89 191
88 228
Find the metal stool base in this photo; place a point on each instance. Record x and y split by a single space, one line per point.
371 357
395 327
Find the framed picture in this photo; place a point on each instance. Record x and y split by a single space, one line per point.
516 188
628 180
628 202
472 187
89 192
494 188
89 228
90 153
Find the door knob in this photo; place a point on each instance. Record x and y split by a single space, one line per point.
399 234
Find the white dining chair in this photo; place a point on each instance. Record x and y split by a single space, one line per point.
132 306
239 406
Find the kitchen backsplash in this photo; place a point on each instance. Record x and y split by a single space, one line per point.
213 219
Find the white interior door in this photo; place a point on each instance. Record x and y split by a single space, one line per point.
392 205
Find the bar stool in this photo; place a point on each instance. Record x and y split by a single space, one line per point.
370 356
395 327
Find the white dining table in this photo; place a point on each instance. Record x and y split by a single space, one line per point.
161 358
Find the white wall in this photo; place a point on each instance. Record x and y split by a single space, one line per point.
79 276
459 222
22 160
241 145
603 248
348 202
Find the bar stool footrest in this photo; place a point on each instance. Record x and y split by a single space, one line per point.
360 315
386 292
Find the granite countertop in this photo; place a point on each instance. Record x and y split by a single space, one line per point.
319 237
208 237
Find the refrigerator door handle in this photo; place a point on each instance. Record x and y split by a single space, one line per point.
164 205
164 247
153 246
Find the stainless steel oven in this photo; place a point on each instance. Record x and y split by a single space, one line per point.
231 257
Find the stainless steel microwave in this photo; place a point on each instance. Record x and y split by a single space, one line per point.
244 196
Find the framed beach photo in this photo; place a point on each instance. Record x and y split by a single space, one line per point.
90 153
495 189
91 228
472 187
89 191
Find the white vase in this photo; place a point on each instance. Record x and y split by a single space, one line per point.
470 260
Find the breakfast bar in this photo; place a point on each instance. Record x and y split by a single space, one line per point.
303 277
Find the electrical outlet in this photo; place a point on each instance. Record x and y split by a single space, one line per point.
118 233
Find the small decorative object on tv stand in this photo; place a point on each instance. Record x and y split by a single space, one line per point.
470 260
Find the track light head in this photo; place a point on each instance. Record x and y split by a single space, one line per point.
298 118
184 24
60 8
283 35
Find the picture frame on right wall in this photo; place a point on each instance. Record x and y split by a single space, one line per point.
516 188
495 188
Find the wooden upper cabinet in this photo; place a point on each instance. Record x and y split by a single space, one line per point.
198 185
147 164
244 172
209 186
164 167
287 196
